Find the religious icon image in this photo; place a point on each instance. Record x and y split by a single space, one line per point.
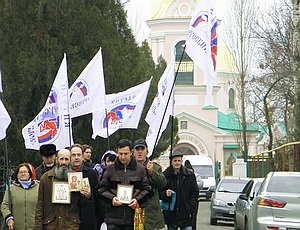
75 180
124 193
60 193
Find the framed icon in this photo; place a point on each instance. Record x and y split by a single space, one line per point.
124 193
61 193
85 182
75 180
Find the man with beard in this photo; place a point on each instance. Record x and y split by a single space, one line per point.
48 153
88 211
52 215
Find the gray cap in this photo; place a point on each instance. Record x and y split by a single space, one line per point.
176 154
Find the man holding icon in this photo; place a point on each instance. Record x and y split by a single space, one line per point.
126 175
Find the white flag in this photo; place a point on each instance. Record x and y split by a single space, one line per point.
161 109
53 124
201 44
124 110
87 94
4 121
4 116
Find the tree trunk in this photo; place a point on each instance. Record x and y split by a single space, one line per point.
296 78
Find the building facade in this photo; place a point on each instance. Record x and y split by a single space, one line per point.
208 126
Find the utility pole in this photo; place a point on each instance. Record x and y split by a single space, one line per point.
296 63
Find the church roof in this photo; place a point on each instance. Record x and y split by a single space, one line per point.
230 122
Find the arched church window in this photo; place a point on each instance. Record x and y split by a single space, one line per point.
231 98
185 74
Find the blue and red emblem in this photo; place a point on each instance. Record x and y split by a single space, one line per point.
49 122
80 87
214 42
117 115
203 17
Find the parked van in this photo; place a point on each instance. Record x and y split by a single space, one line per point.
203 165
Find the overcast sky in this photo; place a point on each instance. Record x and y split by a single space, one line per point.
139 12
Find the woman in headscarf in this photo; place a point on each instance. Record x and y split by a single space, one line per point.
20 198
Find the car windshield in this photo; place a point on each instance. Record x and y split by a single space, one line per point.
204 170
285 184
232 185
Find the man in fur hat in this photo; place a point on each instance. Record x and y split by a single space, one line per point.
48 153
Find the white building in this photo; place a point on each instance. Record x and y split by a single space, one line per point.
203 130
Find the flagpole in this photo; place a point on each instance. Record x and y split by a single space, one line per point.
107 132
68 103
156 140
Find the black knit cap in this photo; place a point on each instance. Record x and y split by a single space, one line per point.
188 164
47 150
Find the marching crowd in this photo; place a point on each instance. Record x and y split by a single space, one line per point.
123 186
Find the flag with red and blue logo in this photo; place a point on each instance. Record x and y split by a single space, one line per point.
201 43
53 123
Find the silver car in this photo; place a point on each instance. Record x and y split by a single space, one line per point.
244 202
277 204
223 199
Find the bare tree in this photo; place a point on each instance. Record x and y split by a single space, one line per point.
296 57
241 44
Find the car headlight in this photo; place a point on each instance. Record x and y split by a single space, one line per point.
219 202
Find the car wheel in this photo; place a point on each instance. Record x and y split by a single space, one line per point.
213 221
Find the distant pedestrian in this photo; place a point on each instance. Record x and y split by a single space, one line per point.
181 181
87 156
20 199
199 181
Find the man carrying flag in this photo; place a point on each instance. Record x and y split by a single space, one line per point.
52 125
201 44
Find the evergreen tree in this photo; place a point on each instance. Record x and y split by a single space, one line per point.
34 35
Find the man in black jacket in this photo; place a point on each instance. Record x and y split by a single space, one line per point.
181 181
88 202
125 171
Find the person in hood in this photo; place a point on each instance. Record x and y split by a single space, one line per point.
107 159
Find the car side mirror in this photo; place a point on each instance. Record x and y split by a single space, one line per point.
243 197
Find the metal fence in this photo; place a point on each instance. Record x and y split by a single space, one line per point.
282 158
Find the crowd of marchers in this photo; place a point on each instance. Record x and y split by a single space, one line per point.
121 183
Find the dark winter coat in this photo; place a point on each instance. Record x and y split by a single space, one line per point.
40 170
133 174
185 186
89 207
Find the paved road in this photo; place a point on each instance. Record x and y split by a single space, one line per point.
203 219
